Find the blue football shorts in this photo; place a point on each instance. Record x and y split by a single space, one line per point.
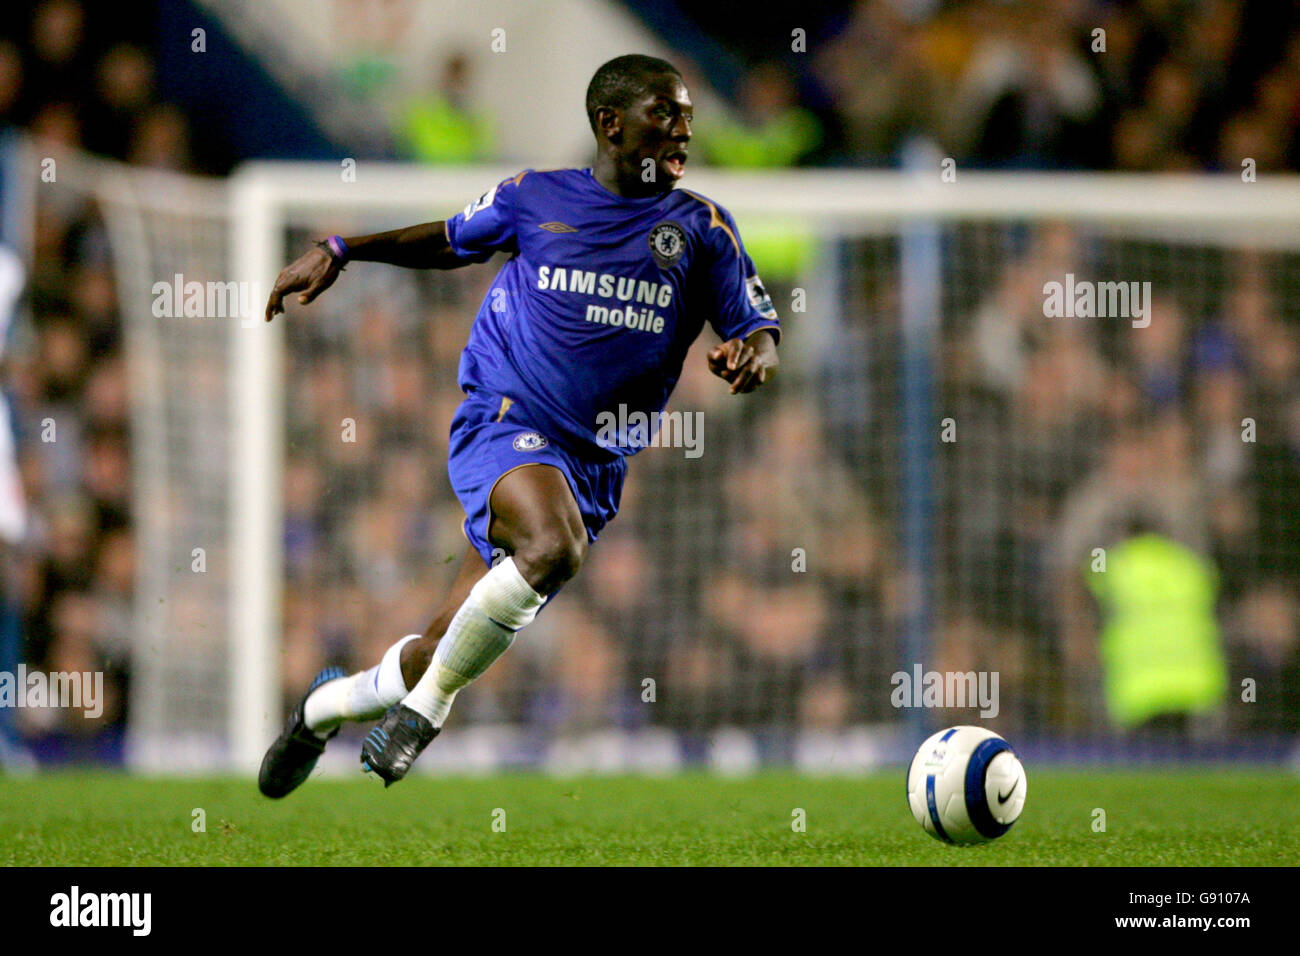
491 436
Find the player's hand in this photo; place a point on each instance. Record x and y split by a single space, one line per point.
309 275
745 363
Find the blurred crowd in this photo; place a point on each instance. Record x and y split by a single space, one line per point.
752 587
83 76
79 77
1142 85
68 382
1074 432
1150 85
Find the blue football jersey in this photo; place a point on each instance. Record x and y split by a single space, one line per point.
595 311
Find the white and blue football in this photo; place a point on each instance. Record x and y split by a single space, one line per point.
966 785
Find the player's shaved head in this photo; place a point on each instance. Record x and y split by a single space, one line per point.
622 80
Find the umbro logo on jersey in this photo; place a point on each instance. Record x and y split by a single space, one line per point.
557 227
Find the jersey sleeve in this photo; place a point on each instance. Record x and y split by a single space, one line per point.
487 225
741 303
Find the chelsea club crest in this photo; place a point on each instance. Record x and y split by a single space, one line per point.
667 243
529 441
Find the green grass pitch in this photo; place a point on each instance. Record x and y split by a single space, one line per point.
1162 818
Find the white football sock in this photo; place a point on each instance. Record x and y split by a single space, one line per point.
363 696
483 629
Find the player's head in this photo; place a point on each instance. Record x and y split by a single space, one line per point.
639 110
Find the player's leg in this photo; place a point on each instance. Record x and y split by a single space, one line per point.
334 697
534 517
537 521
368 694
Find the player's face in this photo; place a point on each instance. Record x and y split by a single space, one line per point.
657 127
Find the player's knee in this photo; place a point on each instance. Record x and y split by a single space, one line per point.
549 559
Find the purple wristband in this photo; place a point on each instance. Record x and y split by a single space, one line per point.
338 248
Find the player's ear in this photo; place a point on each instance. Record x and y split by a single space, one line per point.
610 122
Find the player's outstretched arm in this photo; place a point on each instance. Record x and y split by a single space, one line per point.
425 246
416 247
746 363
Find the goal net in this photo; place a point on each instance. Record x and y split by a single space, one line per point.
1021 421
